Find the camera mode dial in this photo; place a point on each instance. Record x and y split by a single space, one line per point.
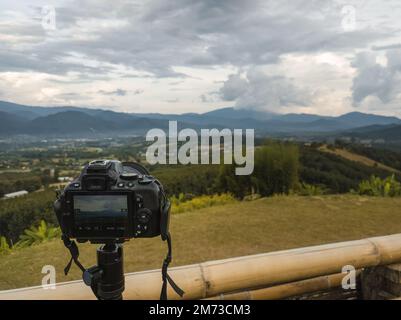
129 176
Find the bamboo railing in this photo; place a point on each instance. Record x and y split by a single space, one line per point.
286 290
244 274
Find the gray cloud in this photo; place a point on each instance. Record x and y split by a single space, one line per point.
257 90
160 35
120 92
101 41
71 96
377 80
117 92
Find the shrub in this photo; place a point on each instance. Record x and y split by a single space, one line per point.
4 246
35 235
181 205
377 187
310 190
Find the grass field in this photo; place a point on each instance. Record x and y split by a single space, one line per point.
238 229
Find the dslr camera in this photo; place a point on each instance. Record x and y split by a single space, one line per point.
109 203
113 201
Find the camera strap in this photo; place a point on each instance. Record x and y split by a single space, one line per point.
74 251
165 277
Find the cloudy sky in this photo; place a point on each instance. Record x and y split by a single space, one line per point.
312 56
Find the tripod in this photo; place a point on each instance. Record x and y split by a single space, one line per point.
107 278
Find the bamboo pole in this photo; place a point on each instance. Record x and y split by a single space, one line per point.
216 277
286 290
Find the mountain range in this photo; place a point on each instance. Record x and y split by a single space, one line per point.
17 119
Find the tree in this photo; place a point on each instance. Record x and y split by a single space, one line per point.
276 171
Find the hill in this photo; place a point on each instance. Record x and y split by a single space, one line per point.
40 121
390 132
10 123
346 154
32 112
232 113
69 122
359 119
270 224
263 122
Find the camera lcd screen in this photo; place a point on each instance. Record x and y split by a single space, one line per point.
100 206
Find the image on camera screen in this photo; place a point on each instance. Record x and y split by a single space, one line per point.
103 206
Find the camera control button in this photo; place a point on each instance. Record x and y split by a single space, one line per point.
139 201
144 215
121 185
130 184
141 228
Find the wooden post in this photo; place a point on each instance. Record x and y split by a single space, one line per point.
381 283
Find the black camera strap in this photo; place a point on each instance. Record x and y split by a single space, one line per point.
74 251
165 277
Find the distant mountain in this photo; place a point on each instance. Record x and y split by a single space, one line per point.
300 118
32 112
359 119
10 123
234 113
20 119
25 112
390 132
73 123
69 122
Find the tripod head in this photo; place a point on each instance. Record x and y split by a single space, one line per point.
107 278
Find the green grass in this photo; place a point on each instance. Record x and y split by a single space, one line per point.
231 230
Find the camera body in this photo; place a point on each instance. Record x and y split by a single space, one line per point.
113 202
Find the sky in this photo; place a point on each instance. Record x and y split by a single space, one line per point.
282 56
